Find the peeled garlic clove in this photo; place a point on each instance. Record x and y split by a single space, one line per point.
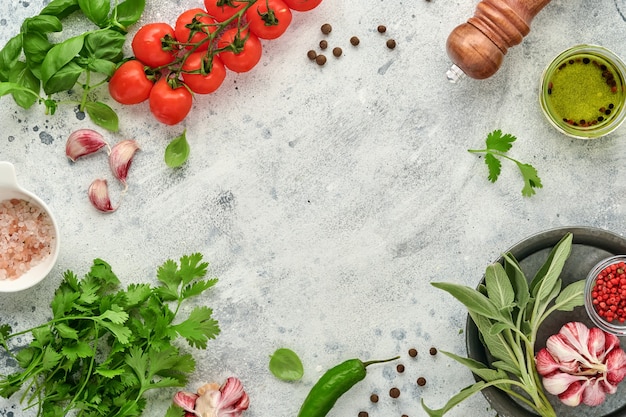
99 196
83 142
121 157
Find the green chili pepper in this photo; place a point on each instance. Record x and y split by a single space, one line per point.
332 385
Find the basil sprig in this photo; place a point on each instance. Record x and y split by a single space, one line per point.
30 62
508 311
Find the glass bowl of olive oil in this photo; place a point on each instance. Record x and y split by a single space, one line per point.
583 92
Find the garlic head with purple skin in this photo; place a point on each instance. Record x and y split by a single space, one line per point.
84 142
581 365
212 400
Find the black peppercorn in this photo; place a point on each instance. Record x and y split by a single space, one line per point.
433 351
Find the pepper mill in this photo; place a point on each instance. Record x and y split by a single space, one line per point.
477 47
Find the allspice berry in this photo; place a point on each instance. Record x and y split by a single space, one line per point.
320 59
323 44
326 28
433 351
311 54
394 392
391 43
374 398
421 381
337 51
381 29
354 41
412 352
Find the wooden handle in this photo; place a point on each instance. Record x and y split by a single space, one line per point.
478 46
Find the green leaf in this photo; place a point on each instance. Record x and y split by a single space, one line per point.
9 55
175 411
96 10
494 165
495 343
102 115
63 79
114 316
286 365
472 299
60 8
545 279
177 151
455 400
128 12
531 179
50 358
77 350
496 141
42 24
499 287
65 331
36 46
197 288
192 267
572 296
105 44
60 55
478 368
199 327
518 280
24 77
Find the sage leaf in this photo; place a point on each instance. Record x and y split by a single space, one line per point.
472 299
478 368
286 365
177 151
456 399
499 287
102 115
572 296
543 282
518 280
495 343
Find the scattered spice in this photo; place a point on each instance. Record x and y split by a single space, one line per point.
355 41
391 43
433 351
326 28
337 51
374 398
421 381
323 44
363 414
320 59
311 54
26 237
394 392
400 368
412 352
381 29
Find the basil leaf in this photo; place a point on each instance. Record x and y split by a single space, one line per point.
102 115
96 10
9 56
60 55
60 8
177 151
105 44
63 79
42 24
23 76
572 296
128 12
286 365
36 46
102 66
499 287
10 88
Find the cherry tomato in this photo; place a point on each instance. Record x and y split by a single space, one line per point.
222 10
247 48
200 22
268 24
210 79
129 83
169 105
149 44
302 5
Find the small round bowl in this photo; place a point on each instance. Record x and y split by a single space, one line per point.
614 327
10 189
583 92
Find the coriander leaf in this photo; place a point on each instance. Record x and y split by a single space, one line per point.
531 179
192 267
175 411
77 350
197 288
199 327
496 141
177 151
65 331
286 365
50 358
114 316
494 165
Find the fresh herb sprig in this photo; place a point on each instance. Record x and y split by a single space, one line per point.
31 62
497 147
508 311
104 348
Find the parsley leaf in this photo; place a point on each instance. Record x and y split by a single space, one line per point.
105 347
497 145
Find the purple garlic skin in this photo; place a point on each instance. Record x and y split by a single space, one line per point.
99 196
121 158
83 142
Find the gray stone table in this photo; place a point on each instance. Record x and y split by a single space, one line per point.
327 198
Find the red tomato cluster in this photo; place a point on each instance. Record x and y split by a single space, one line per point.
172 63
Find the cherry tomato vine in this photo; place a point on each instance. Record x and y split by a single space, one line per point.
171 63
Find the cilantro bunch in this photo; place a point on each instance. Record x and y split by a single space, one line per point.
105 347
497 147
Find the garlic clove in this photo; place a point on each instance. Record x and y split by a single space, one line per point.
83 142
99 196
121 158
186 400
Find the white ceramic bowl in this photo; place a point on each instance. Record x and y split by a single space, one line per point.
9 188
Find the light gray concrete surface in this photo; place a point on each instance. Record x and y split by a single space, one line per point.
326 199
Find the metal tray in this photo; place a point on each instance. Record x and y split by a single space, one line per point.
590 245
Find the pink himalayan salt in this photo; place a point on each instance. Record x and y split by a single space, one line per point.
26 237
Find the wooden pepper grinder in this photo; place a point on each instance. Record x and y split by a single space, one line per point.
477 47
